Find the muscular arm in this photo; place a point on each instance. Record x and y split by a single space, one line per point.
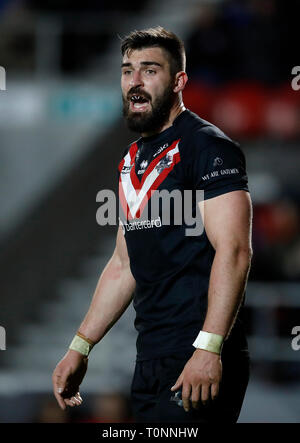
111 298
227 221
112 295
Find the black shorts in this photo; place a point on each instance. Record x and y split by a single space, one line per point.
153 379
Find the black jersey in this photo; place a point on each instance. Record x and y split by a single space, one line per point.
171 268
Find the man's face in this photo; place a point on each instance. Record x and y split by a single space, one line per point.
147 89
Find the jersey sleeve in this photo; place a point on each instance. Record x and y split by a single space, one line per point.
219 168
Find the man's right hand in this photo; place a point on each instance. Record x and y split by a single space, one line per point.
113 294
67 377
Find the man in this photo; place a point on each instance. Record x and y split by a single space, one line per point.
192 357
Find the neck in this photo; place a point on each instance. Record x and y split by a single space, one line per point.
177 109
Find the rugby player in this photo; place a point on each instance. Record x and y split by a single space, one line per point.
188 290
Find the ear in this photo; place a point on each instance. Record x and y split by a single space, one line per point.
180 81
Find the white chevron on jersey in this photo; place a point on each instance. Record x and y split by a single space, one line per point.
135 197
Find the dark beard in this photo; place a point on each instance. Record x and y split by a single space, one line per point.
153 121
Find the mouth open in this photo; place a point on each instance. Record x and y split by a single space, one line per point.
139 103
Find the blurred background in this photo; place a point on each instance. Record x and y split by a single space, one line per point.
61 137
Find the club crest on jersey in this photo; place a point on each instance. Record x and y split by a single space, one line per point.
164 163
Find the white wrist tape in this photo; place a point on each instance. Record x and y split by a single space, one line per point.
81 345
209 342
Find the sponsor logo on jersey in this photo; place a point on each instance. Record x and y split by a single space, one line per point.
218 161
143 167
126 169
160 149
141 224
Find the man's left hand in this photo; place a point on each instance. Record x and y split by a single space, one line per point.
200 378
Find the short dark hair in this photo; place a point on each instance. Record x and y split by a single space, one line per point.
157 37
